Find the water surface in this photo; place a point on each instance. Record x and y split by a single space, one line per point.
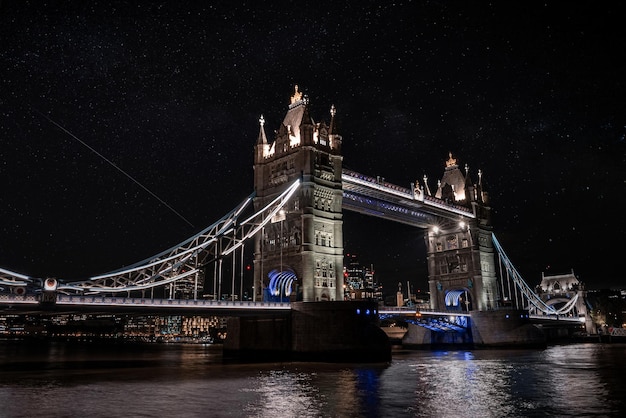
78 380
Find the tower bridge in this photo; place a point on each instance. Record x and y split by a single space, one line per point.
294 222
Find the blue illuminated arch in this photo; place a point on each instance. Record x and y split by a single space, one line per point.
453 299
281 285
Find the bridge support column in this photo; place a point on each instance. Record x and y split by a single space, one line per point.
505 328
314 331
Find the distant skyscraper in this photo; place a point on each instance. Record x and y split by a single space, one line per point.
359 281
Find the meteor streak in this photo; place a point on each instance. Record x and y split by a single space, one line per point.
116 167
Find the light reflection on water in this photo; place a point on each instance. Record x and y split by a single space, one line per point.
61 380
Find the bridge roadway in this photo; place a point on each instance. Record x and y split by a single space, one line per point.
10 303
412 313
123 305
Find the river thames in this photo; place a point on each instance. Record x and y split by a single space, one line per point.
160 380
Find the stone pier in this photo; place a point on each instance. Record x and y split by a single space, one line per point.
344 331
498 328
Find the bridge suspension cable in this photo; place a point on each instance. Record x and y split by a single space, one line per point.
188 257
526 291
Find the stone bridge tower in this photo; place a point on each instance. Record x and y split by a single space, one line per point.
461 260
299 255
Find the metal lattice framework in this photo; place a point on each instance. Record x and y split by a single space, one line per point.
13 279
219 240
532 301
222 239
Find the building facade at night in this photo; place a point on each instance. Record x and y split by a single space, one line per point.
359 280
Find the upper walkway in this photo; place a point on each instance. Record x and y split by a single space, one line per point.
376 197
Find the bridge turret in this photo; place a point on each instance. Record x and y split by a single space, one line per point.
335 139
470 195
261 148
306 125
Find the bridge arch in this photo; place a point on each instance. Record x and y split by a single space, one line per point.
281 285
458 299
561 303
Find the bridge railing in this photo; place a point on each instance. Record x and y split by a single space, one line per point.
13 298
565 318
124 301
91 300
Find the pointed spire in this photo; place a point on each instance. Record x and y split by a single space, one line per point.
332 127
426 184
468 180
470 194
262 138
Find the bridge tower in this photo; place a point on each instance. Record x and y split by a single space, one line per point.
299 256
460 254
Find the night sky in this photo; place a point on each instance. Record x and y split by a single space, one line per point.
531 93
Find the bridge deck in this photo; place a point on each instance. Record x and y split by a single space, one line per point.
72 303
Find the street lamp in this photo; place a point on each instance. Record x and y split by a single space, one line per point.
282 242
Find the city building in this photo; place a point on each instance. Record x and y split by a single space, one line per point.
359 280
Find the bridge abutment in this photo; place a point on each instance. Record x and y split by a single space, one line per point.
505 328
337 331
